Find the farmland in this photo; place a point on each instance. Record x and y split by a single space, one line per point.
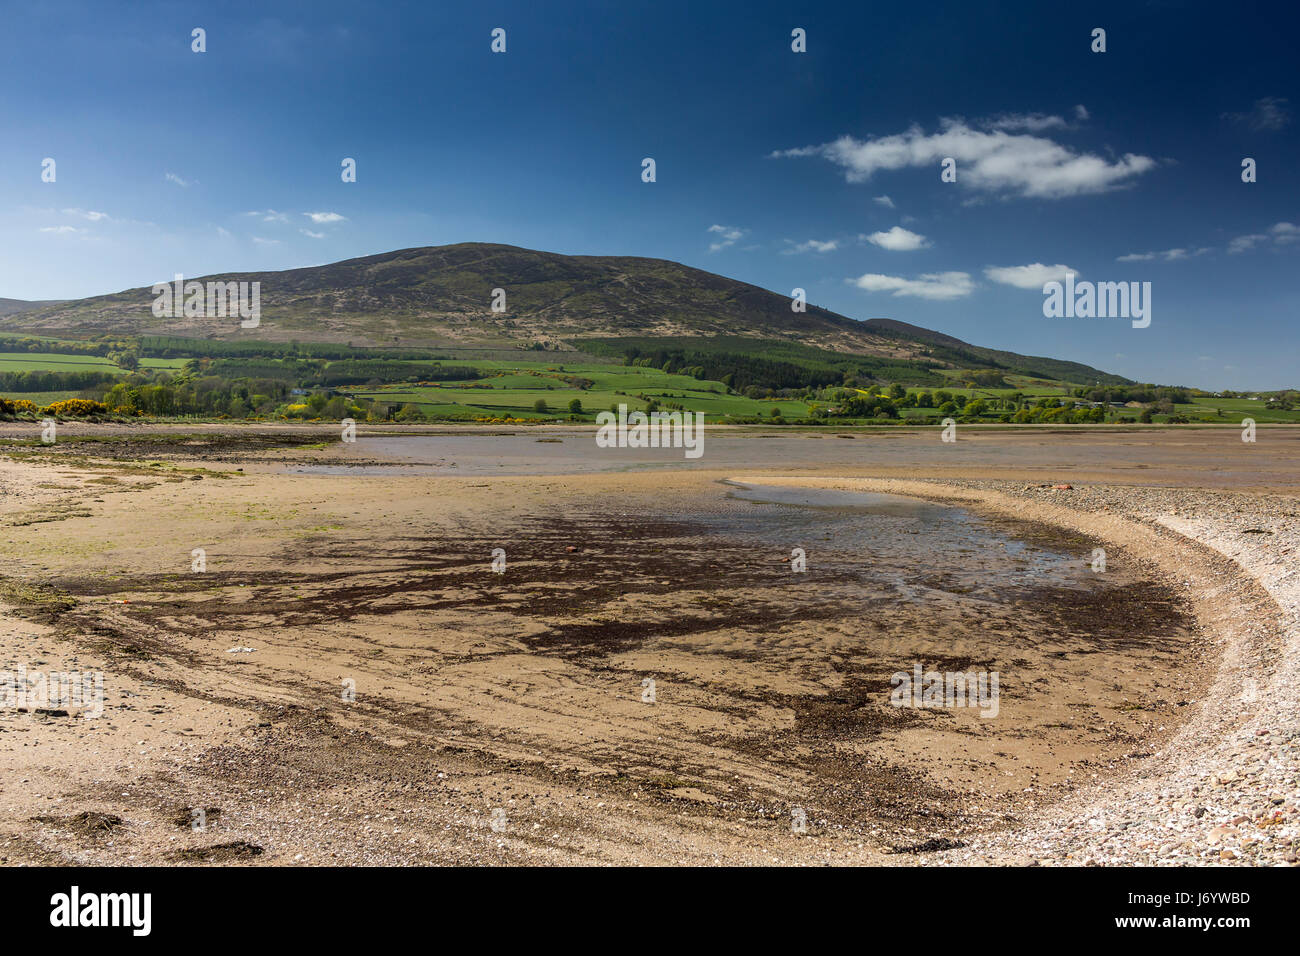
54 362
513 390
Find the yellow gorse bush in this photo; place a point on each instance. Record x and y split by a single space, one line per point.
75 408
17 406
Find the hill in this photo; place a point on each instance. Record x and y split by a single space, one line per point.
440 297
11 306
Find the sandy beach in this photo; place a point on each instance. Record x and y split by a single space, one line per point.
347 680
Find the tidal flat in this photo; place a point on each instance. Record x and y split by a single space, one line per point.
676 664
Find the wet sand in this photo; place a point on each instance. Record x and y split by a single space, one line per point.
505 718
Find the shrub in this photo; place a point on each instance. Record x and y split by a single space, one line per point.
18 406
75 408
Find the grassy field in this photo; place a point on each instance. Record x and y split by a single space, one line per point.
50 362
56 362
40 398
514 389
1234 410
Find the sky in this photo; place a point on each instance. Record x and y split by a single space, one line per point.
818 170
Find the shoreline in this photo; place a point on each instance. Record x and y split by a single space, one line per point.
1226 787
221 722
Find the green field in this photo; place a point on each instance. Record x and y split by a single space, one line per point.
40 398
516 387
50 362
55 362
1234 410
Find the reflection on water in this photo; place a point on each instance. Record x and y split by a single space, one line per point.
916 546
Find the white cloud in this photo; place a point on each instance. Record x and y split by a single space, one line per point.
63 230
1167 255
1081 113
812 245
1032 276
314 235
173 178
1032 122
729 235
268 215
1270 112
266 242
1245 243
1281 233
1284 232
898 239
92 215
933 285
88 214
996 162
884 201
320 217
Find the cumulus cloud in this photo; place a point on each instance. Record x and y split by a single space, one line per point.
812 245
313 235
995 160
727 236
884 201
898 239
268 215
932 285
63 230
1269 112
322 217
1032 276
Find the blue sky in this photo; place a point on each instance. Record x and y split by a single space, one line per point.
772 166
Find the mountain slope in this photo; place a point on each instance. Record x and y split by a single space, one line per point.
11 306
950 350
441 296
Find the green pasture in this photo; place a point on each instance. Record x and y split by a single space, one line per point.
57 362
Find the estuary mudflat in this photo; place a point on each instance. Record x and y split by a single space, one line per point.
649 678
